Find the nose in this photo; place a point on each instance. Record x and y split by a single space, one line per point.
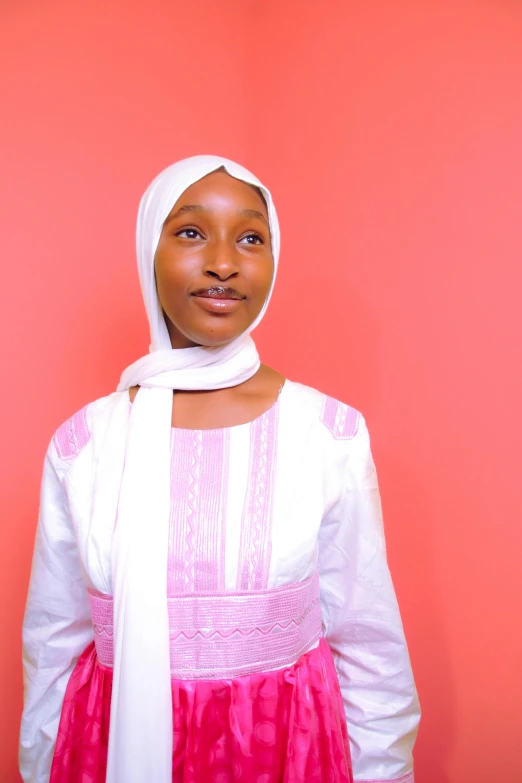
221 259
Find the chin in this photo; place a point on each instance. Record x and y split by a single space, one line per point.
204 338
212 331
204 334
213 342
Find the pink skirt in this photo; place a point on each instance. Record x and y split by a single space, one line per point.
280 727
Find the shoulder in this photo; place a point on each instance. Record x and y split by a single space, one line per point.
338 432
76 432
339 419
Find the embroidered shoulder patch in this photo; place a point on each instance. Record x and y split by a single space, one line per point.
70 438
341 420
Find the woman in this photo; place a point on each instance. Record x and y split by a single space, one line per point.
209 577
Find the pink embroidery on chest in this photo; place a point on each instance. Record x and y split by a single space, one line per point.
221 635
341 420
199 483
70 438
256 526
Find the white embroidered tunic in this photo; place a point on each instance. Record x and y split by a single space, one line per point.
287 499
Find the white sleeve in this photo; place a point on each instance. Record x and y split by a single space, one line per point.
56 630
363 627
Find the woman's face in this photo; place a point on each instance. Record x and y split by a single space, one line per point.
214 262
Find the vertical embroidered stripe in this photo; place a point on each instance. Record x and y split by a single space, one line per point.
191 520
209 535
199 479
180 472
256 526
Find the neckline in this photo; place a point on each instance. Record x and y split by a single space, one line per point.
271 409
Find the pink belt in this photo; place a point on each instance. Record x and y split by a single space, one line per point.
222 635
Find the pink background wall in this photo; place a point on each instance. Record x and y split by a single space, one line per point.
390 134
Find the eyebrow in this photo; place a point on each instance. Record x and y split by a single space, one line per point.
253 213
184 209
187 208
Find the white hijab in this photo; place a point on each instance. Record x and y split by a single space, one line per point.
140 739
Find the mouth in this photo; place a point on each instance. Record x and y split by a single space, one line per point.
218 293
218 300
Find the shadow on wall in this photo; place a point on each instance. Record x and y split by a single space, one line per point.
422 613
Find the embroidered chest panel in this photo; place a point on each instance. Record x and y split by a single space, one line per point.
200 476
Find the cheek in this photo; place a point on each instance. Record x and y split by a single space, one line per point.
261 275
172 276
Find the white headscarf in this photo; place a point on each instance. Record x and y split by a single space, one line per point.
140 739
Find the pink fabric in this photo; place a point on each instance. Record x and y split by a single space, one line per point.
199 486
341 420
224 635
80 755
72 436
279 727
102 615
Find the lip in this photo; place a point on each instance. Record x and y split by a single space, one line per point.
217 304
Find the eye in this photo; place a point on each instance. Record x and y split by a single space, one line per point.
188 233
252 239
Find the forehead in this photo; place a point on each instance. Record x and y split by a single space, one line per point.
221 184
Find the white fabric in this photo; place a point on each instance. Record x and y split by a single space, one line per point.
326 514
139 555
